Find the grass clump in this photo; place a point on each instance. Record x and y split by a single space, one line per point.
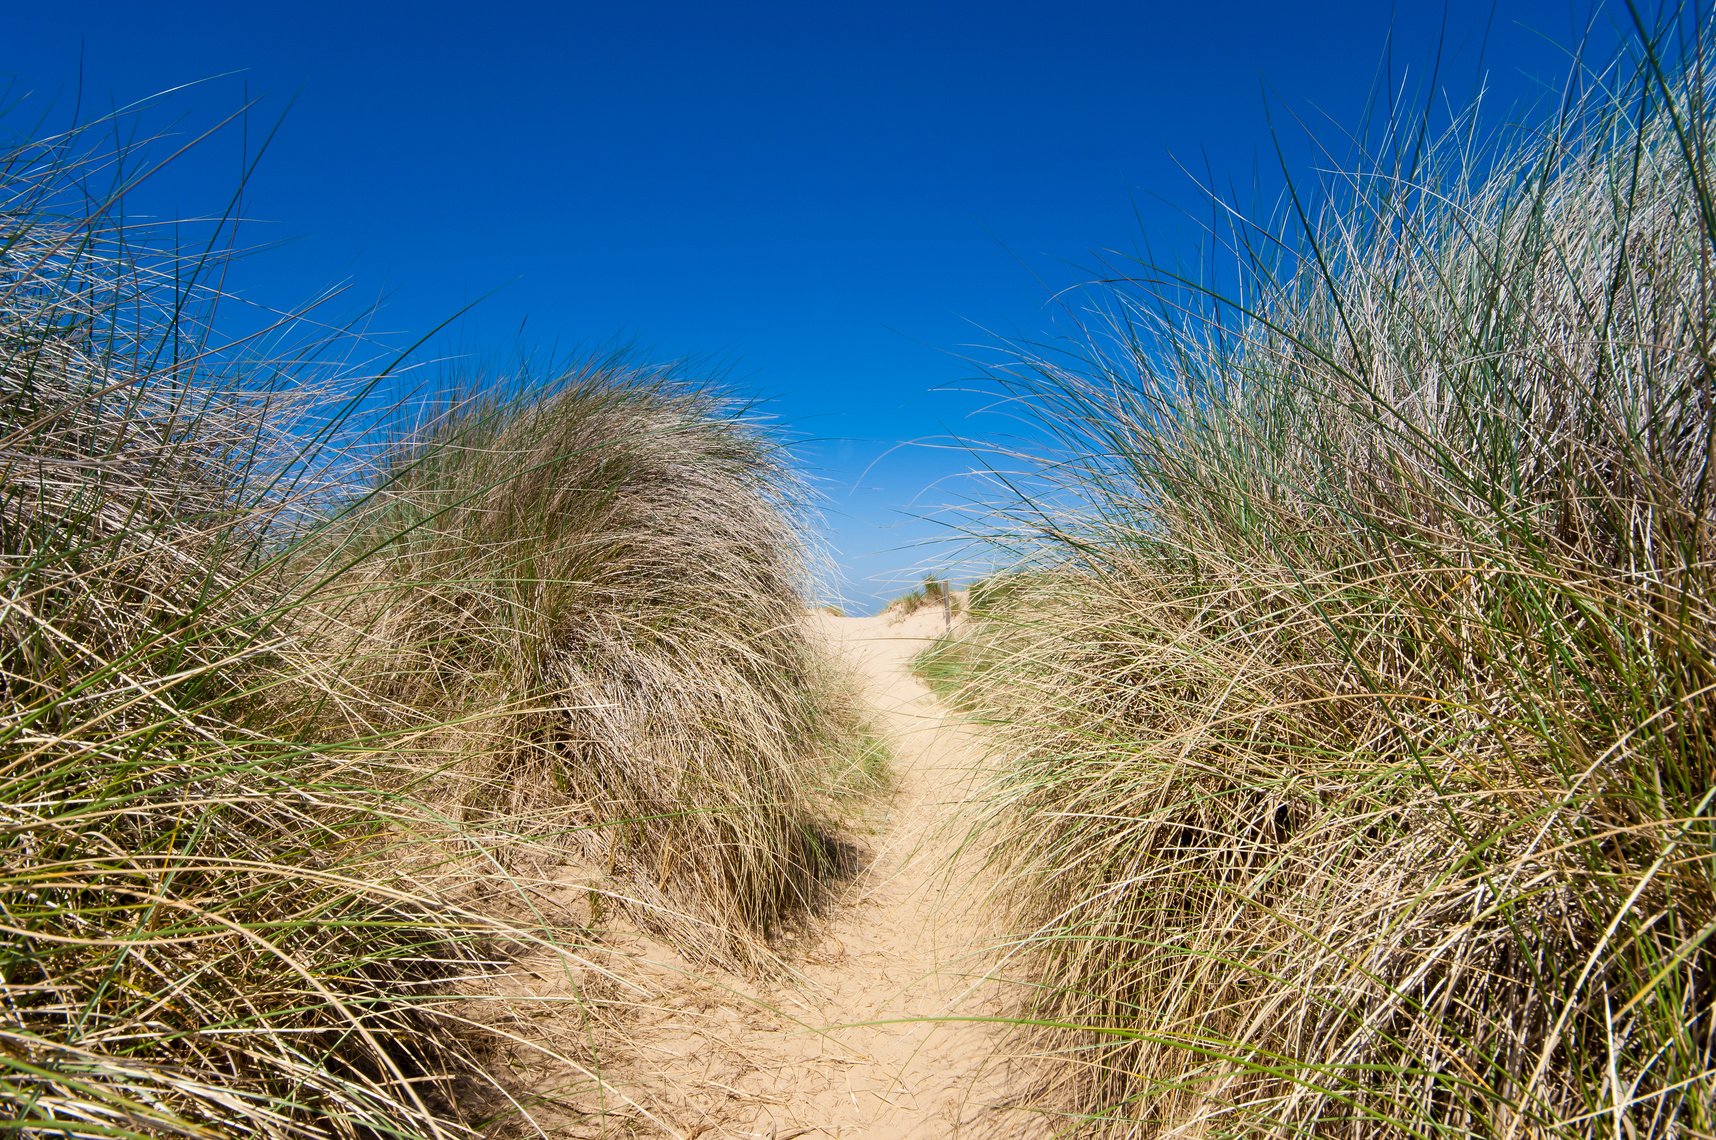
933 592
596 584
241 686
1357 743
202 931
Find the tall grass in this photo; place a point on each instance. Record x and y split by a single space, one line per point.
197 933
1355 735
234 682
597 583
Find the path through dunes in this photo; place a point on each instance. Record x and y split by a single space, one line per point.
852 1049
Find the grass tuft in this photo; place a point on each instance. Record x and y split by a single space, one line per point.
595 584
1356 736
267 725
934 592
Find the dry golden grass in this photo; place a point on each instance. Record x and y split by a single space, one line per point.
597 587
236 702
1355 749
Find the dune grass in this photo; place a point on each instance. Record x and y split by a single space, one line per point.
269 716
197 933
596 584
933 592
1355 737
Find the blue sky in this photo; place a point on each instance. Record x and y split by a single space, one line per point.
838 207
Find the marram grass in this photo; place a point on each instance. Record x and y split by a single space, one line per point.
601 579
1355 736
198 934
267 721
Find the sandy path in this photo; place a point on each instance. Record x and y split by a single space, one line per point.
852 1050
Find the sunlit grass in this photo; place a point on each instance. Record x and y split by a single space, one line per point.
292 746
596 584
1356 735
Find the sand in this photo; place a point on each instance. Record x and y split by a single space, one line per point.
868 1040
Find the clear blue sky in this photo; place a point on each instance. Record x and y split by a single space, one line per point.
836 201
